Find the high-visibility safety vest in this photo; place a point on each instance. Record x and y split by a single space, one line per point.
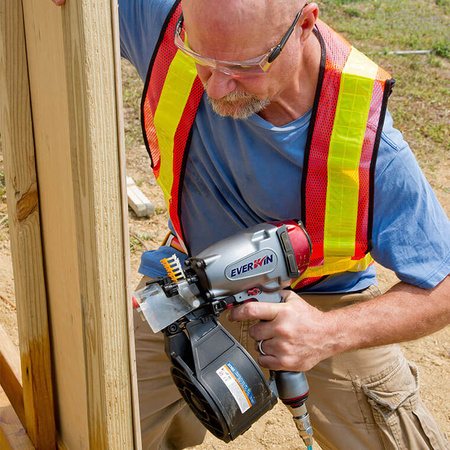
338 175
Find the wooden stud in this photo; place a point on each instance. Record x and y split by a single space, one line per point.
73 90
4 443
94 140
25 230
74 80
12 433
126 236
10 374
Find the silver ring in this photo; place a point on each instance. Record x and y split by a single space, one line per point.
260 350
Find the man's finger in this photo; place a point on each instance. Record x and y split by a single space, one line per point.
261 331
269 362
254 310
59 2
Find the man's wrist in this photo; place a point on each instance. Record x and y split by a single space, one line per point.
337 338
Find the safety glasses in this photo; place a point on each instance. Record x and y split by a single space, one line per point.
258 65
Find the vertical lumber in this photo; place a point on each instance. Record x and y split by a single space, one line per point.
125 228
94 141
47 75
24 221
73 85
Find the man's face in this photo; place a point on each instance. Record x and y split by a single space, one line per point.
239 35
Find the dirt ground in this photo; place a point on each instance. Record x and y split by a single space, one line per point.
275 430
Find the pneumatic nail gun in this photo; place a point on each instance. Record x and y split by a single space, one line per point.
219 380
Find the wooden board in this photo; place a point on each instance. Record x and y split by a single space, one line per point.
125 230
137 200
51 130
10 374
25 227
73 92
12 433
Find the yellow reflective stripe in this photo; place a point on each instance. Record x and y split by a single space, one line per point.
347 138
352 111
174 96
335 265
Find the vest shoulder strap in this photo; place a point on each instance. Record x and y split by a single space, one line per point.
338 177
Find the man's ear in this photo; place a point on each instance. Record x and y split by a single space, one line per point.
310 15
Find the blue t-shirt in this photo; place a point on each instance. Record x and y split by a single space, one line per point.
243 172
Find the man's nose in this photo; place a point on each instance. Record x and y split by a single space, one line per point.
218 84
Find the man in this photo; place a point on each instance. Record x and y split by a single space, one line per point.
271 138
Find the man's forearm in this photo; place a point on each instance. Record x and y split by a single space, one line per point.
403 313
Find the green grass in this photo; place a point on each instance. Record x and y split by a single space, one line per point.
140 240
136 245
2 186
442 48
420 103
391 25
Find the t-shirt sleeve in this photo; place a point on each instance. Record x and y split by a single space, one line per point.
411 232
140 24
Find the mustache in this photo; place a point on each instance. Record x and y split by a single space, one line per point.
232 97
239 105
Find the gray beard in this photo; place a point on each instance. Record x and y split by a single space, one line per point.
238 105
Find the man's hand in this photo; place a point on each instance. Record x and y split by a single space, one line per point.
59 2
296 335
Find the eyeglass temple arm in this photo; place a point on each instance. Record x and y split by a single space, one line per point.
281 45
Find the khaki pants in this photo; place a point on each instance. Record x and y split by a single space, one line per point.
363 399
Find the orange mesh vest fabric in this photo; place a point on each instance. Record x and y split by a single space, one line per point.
316 168
335 53
156 77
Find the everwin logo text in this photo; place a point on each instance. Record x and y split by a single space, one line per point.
253 265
